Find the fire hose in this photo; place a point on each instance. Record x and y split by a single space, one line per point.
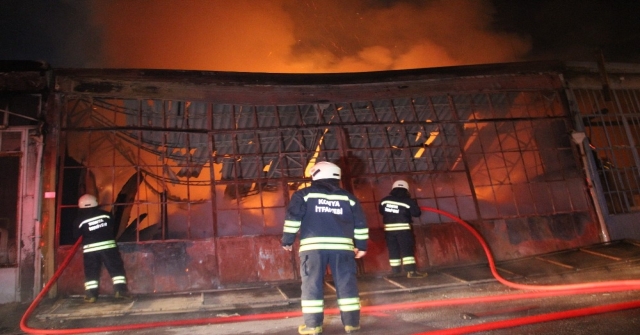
537 291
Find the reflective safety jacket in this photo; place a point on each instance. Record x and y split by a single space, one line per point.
327 218
96 228
397 210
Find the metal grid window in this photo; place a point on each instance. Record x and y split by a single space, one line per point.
611 120
193 170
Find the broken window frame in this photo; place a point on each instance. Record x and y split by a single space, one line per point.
257 150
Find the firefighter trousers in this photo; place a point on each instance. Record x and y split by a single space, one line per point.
400 244
313 265
92 265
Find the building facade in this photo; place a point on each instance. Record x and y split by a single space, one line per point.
198 167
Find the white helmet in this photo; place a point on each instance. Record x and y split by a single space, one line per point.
87 201
325 170
401 184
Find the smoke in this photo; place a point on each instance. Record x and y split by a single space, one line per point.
60 33
314 35
301 36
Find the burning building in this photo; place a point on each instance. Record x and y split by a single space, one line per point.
198 167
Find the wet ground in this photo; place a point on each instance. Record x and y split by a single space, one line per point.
226 311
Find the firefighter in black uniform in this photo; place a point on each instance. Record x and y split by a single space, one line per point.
99 246
333 231
397 210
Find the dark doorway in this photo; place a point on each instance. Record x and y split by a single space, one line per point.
10 167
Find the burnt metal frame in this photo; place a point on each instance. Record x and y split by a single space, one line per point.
617 116
446 118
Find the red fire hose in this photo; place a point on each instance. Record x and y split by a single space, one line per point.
548 290
541 291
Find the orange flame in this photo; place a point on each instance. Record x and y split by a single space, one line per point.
293 36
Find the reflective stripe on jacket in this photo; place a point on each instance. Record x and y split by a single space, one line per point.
327 218
398 209
96 228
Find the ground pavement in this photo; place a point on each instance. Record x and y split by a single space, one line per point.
619 260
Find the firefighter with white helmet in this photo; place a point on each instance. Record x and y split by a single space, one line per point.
99 246
398 209
333 232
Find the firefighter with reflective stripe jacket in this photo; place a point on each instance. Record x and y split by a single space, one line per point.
397 210
333 232
99 246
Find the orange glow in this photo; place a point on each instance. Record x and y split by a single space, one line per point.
293 36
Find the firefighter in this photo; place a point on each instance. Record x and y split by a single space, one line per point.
333 232
397 210
99 246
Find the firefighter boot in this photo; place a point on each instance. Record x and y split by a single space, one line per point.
304 330
416 274
90 299
396 271
122 292
90 296
351 329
